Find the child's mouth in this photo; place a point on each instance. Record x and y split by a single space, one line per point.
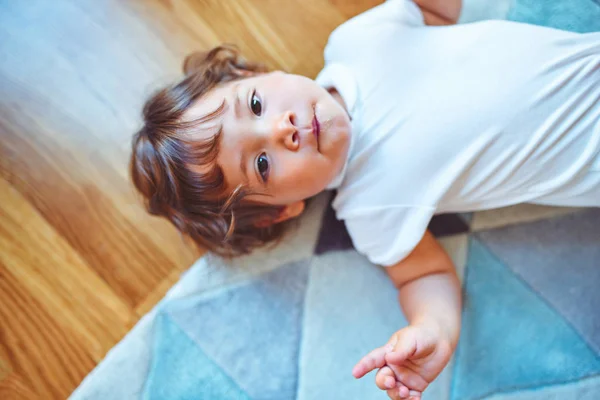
316 128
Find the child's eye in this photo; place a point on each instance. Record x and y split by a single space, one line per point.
255 104
262 164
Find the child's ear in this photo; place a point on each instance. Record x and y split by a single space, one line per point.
290 211
287 212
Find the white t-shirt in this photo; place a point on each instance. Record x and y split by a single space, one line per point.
459 118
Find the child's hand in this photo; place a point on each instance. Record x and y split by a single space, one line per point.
409 362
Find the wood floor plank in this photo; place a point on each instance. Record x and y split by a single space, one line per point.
46 360
351 8
55 275
13 387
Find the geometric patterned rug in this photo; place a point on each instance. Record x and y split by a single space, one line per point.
290 322
531 319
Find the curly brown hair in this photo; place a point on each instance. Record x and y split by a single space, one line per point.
164 156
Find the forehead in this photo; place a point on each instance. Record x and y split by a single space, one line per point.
209 111
208 116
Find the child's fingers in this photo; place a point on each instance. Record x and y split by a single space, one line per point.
414 395
385 379
409 378
398 393
403 393
404 349
375 359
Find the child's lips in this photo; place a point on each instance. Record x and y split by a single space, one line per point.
316 128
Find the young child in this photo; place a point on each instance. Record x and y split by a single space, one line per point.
405 121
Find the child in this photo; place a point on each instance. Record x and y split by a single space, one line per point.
404 121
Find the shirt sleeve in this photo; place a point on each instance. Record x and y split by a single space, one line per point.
386 235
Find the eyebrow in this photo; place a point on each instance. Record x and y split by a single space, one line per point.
236 101
244 165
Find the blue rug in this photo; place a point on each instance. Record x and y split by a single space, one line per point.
571 15
291 322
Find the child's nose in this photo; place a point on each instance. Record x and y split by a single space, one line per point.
286 132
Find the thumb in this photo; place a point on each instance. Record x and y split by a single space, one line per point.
405 347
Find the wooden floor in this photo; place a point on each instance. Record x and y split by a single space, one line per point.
80 262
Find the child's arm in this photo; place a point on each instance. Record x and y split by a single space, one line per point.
429 287
430 298
440 12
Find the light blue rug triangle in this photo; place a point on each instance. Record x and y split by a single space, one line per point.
252 331
511 339
180 370
572 15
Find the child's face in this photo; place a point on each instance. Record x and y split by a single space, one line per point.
282 135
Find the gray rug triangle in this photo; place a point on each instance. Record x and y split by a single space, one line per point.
252 331
559 258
